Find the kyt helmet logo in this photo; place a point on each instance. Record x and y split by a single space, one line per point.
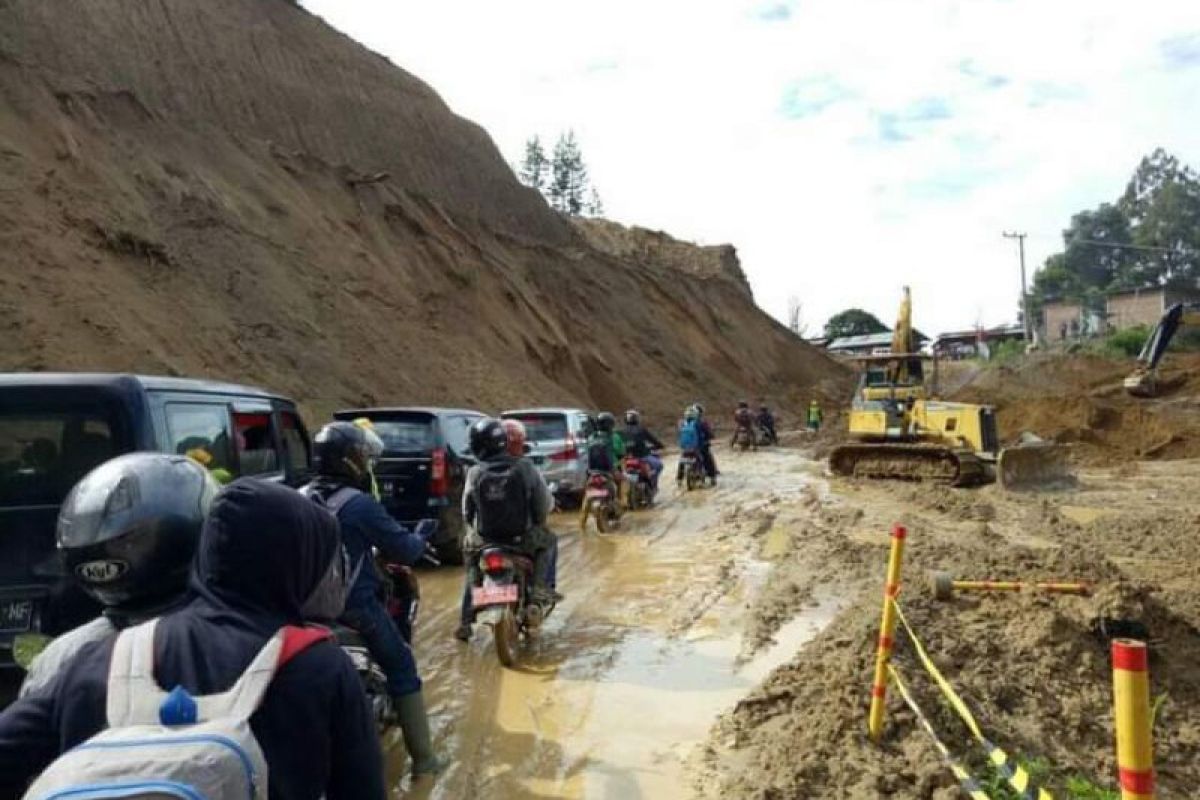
101 571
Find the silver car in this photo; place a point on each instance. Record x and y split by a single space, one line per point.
557 439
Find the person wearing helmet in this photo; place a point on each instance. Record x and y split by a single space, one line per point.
641 444
766 422
343 457
512 511
266 559
131 555
743 420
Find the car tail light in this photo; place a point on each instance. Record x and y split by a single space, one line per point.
495 562
570 454
439 480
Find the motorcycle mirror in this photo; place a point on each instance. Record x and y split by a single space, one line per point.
528 448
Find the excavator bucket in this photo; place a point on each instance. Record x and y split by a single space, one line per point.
1142 383
1033 465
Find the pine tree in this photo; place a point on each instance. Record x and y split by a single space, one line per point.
567 191
595 206
535 166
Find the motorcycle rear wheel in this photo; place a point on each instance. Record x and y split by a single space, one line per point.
600 514
508 638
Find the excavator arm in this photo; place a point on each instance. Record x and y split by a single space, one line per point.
1143 381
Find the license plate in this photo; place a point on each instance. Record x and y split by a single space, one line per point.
500 594
15 615
539 461
597 493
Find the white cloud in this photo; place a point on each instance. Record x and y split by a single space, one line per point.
928 127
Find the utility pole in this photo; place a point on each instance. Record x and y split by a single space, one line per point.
1027 322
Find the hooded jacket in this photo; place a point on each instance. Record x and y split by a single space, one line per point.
263 552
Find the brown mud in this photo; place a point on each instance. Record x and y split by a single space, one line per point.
1034 668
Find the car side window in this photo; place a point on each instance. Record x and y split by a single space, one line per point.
203 432
256 442
295 443
457 430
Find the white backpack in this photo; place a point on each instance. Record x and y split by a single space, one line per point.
212 755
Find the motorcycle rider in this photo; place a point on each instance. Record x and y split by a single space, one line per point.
343 463
641 444
743 419
766 421
267 558
606 448
505 501
174 495
689 438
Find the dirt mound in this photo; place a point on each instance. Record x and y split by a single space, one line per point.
234 190
1080 400
1033 668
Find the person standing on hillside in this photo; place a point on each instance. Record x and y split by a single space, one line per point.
343 460
815 416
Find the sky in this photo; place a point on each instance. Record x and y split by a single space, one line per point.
846 147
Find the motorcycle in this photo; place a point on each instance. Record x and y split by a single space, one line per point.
640 483
744 439
691 470
502 600
600 502
766 438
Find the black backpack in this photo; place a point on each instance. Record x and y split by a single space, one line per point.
600 454
502 499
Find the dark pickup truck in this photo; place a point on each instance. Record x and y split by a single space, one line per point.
426 454
54 428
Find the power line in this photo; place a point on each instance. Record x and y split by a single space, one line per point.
1120 246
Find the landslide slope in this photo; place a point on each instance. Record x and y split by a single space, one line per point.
233 189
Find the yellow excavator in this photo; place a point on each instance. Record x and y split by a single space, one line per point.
1143 381
904 434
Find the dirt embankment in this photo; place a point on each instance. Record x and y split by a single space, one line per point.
1034 668
1080 400
232 189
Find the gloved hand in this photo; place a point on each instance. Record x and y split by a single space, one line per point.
426 528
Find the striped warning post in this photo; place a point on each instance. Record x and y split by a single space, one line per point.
965 779
1131 702
887 627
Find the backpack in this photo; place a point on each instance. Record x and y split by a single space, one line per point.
502 497
600 454
689 436
169 744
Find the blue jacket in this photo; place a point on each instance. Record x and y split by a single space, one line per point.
366 524
263 551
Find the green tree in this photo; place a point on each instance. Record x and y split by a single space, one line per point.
567 191
853 322
535 165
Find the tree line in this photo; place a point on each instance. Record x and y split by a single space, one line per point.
561 177
1150 236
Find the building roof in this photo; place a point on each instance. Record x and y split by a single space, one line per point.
865 340
988 333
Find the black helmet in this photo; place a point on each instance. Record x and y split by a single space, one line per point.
341 450
743 404
632 417
129 528
699 408
606 422
488 439
588 426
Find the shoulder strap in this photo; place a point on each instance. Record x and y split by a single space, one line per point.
135 698
338 500
247 694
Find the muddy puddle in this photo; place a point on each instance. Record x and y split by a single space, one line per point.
631 670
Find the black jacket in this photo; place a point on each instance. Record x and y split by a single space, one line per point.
263 551
639 441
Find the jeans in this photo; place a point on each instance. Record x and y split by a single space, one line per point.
710 463
386 645
656 468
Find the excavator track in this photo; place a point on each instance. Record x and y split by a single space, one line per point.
910 462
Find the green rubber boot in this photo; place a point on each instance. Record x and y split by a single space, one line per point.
414 724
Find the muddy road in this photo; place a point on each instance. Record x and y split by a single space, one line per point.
633 668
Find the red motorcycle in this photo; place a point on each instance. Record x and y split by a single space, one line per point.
639 481
600 502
